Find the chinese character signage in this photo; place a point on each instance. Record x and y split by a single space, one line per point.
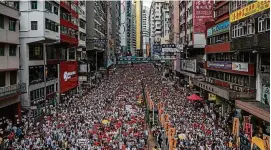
219 28
103 41
202 13
219 65
249 10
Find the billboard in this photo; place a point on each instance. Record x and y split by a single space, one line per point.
219 65
249 10
189 65
219 28
240 67
68 75
202 13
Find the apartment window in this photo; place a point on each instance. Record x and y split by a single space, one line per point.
2 49
64 30
48 6
267 22
36 94
243 29
71 53
50 89
2 20
51 72
35 52
34 4
36 74
50 53
55 10
251 28
261 25
13 77
34 25
2 79
12 25
12 50
63 54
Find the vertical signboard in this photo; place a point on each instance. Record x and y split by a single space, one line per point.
266 94
68 75
202 13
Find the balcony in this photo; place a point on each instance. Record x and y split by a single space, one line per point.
12 90
224 92
9 9
68 24
9 36
65 5
254 42
68 39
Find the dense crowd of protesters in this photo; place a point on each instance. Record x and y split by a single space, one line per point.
108 117
198 125
105 118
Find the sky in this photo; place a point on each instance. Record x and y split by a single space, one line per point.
147 3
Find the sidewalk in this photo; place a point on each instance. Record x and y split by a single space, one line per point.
151 142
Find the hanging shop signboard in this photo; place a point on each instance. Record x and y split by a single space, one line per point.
189 65
266 142
102 41
235 127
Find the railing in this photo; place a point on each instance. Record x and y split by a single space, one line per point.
12 89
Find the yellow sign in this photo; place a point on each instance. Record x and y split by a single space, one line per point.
211 97
266 142
235 127
249 10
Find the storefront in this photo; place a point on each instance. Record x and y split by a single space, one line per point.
68 79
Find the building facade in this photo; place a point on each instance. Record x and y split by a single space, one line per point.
96 29
81 50
11 87
138 21
145 30
48 41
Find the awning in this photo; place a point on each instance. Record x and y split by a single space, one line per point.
255 108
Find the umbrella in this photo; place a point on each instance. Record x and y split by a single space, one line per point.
194 97
182 136
105 121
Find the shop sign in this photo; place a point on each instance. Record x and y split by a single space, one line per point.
248 129
240 67
219 28
249 10
202 13
211 97
68 75
265 95
266 142
219 65
235 127
189 65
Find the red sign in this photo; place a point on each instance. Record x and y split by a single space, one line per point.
202 13
68 75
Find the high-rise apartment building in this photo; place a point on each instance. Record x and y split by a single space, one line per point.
138 9
48 43
174 22
126 27
81 51
145 29
115 45
133 29
97 41
11 87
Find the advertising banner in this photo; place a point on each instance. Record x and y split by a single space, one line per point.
265 95
248 129
219 28
235 127
249 10
68 75
202 13
266 142
219 65
240 67
189 65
